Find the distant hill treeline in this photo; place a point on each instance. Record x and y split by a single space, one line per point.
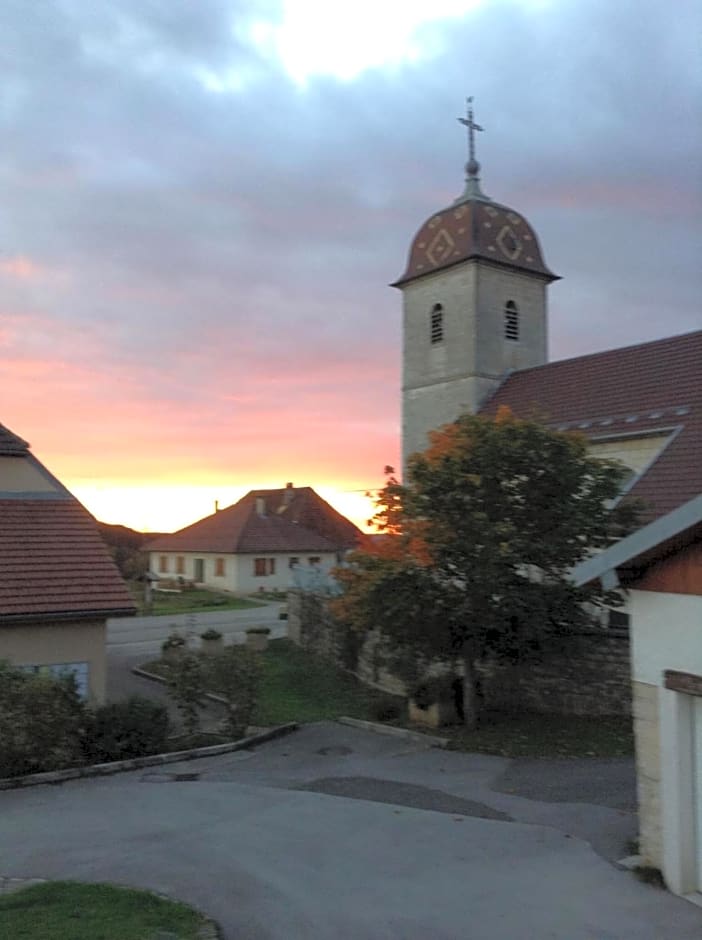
127 548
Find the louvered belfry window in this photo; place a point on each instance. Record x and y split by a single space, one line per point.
511 321
437 324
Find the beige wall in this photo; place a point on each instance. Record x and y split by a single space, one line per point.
43 644
443 380
637 453
645 708
24 474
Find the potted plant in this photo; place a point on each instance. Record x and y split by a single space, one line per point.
432 701
211 641
257 638
173 647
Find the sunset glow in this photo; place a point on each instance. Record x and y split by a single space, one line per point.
203 205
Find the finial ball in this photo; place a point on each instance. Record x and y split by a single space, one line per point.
472 168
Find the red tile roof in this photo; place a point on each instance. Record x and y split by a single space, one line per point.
475 228
54 563
296 519
635 390
10 444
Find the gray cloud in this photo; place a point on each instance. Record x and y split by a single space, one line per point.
255 231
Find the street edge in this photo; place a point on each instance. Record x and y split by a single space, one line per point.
430 739
153 760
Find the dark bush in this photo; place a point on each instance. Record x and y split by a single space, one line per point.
42 720
133 728
386 709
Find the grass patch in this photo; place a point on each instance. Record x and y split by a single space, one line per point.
68 910
191 601
298 686
531 735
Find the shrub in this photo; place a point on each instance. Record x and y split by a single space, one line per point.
42 720
211 634
186 683
174 642
133 728
432 690
235 674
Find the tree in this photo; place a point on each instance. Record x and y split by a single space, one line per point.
480 541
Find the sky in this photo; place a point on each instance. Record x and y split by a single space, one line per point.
203 202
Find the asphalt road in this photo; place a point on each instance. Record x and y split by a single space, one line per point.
335 832
142 636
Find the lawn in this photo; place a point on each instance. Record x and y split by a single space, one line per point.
530 735
298 686
191 601
68 910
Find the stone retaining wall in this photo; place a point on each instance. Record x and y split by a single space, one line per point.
584 674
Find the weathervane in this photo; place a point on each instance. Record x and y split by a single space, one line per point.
473 166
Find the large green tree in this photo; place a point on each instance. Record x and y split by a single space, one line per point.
480 540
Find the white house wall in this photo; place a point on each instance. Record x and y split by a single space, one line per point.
666 633
239 570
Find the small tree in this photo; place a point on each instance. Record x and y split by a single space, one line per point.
481 539
235 673
186 682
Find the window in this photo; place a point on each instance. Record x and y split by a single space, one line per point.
163 564
314 559
293 561
219 567
618 620
180 565
263 566
79 671
437 324
511 321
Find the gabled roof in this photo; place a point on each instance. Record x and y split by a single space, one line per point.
11 444
53 563
645 546
292 519
633 391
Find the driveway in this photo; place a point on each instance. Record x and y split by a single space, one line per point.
335 832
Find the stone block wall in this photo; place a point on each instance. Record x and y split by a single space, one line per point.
584 674
648 772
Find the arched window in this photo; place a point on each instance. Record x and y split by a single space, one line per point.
511 321
437 324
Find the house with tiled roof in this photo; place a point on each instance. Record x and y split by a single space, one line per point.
258 543
660 566
640 404
58 583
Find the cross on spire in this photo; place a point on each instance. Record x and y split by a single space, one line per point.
473 165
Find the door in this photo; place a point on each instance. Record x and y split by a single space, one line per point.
199 570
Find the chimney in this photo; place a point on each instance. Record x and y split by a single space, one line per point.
289 493
216 505
260 506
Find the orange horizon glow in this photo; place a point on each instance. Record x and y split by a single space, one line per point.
168 508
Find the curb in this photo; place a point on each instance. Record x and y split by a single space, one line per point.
430 739
138 671
153 760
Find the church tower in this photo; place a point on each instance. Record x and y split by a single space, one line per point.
474 306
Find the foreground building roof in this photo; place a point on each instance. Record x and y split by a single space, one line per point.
53 563
289 519
648 391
